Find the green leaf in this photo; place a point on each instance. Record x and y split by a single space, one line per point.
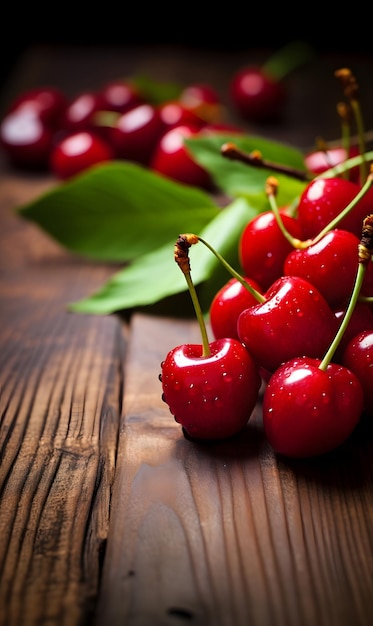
118 211
155 276
156 92
237 179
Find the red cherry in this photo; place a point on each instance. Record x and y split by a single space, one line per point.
26 140
213 396
263 247
361 319
358 357
308 411
120 96
136 134
319 161
48 103
77 152
172 158
79 115
330 265
323 199
203 100
293 320
226 306
176 114
256 95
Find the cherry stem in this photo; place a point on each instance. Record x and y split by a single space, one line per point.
351 91
257 295
344 114
181 255
365 251
233 152
271 191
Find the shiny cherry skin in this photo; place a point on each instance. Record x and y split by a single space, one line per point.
295 319
319 161
77 152
330 265
172 158
263 248
136 134
174 113
79 115
256 95
48 103
308 412
361 320
120 96
212 397
26 140
358 357
227 304
203 100
323 199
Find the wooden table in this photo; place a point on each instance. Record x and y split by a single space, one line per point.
108 515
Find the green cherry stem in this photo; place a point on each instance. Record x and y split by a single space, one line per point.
351 91
365 251
271 191
181 255
344 115
257 295
185 241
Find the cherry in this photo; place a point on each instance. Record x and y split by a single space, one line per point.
227 304
263 248
292 319
308 411
136 133
212 396
120 96
77 152
203 100
361 319
324 198
358 357
319 161
210 388
79 114
172 159
257 95
48 103
174 113
330 265
26 140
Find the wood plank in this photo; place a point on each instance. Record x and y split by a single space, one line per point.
60 401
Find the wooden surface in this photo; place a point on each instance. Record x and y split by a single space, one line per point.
107 514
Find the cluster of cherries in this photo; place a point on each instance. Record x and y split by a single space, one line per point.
43 129
296 327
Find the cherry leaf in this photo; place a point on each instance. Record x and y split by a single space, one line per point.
118 211
155 276
238 179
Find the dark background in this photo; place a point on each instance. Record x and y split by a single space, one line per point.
226 26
